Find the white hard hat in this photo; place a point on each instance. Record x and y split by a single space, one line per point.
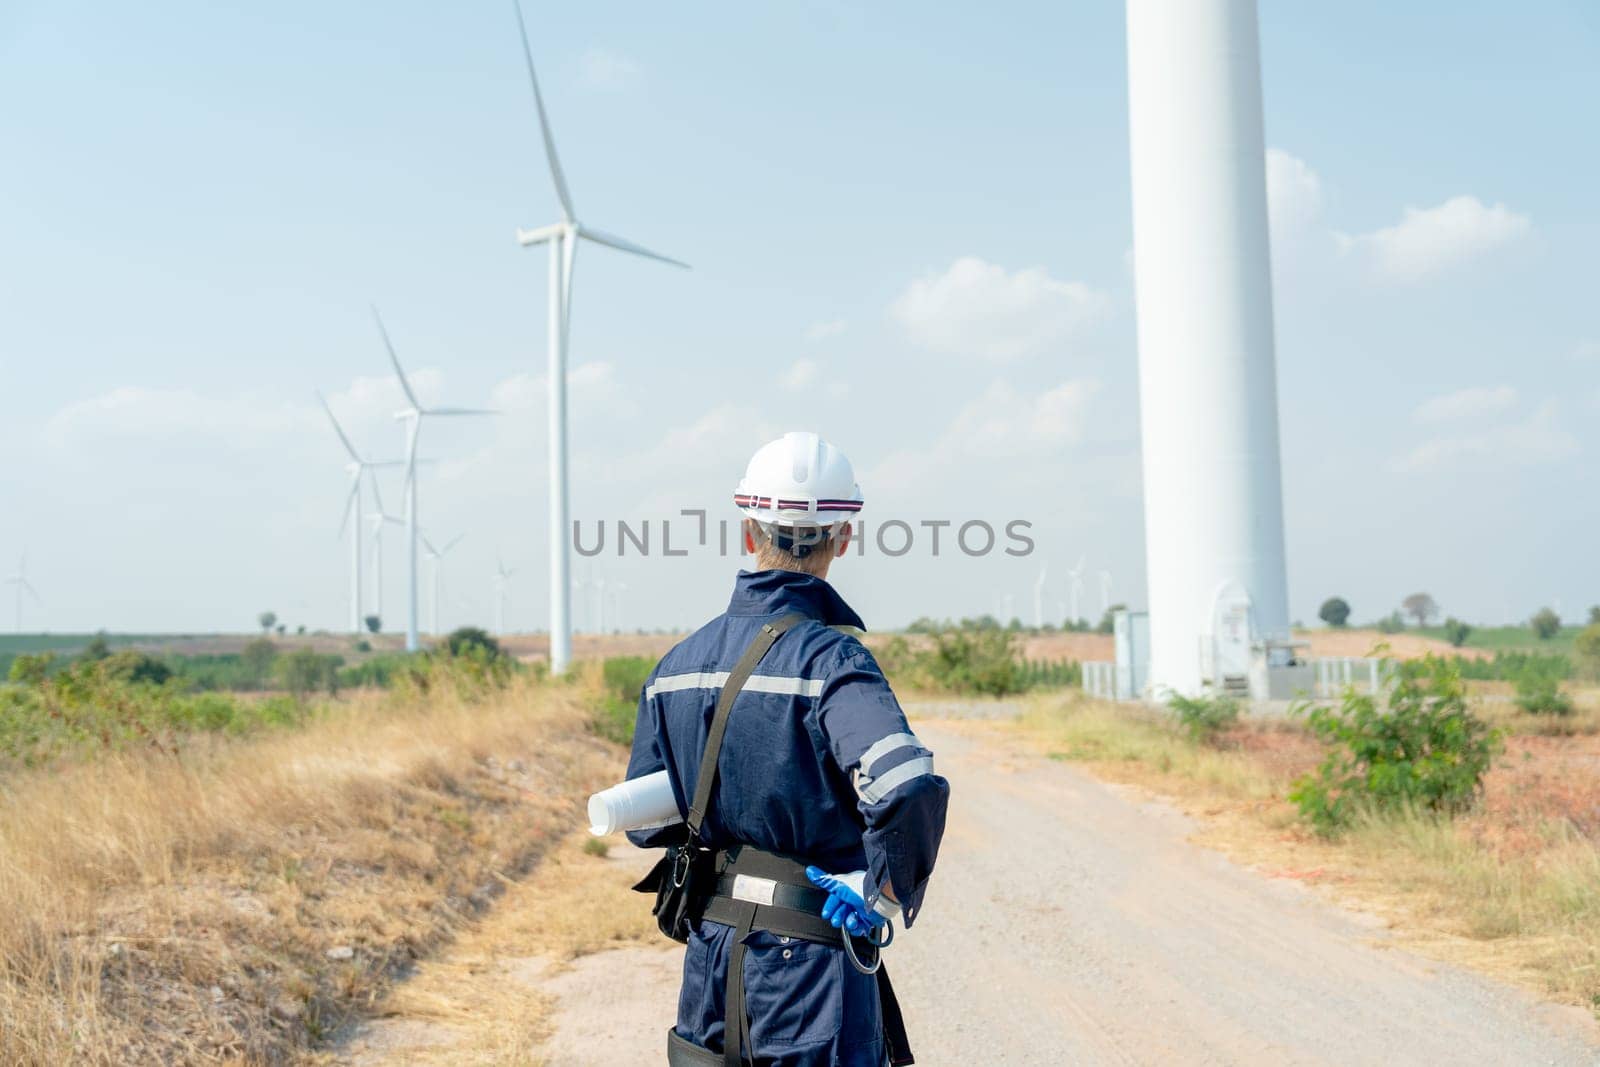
799 480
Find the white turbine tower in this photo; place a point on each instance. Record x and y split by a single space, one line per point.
1075 587
502 590
1208 404
412 416
563 238
20 581
1038 598
436 559
358 469
378 521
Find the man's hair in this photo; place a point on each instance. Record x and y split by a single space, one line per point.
807 549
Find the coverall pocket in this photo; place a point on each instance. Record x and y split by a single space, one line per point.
793 991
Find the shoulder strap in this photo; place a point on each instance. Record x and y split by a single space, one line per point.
764 640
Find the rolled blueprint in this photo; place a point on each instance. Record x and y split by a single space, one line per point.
637 804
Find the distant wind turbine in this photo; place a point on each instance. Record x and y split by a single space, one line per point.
1038 598
378 521
617 589
436 559
502 590
412 415
1105 592
1075 587
563 238
20 581
358 469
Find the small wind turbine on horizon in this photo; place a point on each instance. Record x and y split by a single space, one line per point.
617 589
358 469
562 238
502 590
1105 592
412 416
1075 587
20 581
1038 598
436 558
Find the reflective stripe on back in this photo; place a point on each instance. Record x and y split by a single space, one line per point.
758 683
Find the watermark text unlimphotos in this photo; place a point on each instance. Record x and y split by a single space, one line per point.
691 531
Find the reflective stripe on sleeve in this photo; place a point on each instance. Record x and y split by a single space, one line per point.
875 790
880 749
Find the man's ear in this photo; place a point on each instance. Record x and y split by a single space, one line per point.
844 540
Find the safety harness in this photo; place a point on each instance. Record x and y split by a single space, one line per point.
756 890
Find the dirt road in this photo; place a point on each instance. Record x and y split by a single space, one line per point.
1071 922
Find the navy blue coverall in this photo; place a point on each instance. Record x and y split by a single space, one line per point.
819 765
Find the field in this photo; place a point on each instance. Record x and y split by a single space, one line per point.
1511 638
245 897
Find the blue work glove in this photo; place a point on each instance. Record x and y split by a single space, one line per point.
847 901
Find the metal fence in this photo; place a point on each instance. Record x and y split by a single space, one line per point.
1335 674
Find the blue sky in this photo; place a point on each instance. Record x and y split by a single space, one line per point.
909 225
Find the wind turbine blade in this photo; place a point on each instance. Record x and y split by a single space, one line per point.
544 120
405 386
32 592
434 552
460 411
348 447
451 544
350 504
624 245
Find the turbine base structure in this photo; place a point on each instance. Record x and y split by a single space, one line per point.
1218 592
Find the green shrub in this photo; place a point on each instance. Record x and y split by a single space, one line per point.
622 679
1456 631
1586 649
1391 623
1546 623
472 641
1511 666
1203 717
303 672
131 667
1539 694
31 668
1424 749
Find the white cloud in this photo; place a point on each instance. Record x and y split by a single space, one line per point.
1294 194
1001 423
602 68
803 374
1466 404
133 411
1428 241
1004 422
1539 438
591 385
1587 352
818 331
978 308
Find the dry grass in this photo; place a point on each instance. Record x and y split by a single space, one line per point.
1513 888
241 899
483 1001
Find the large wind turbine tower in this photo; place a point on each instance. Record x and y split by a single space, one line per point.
1207 383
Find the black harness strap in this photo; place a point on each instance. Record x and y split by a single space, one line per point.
706 781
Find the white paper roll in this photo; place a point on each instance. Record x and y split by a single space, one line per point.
637 804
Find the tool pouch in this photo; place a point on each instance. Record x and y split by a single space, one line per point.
681 881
